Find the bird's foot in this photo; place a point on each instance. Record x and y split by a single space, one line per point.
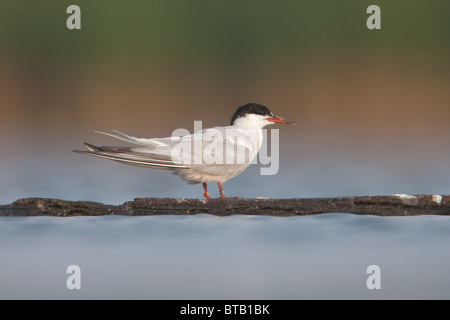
206 194
222 194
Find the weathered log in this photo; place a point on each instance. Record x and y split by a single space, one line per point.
392 205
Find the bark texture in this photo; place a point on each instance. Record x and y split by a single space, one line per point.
392 205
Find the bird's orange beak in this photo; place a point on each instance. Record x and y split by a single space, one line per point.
279 120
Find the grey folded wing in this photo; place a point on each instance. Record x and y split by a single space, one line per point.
129 155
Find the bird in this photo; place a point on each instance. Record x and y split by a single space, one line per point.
209 155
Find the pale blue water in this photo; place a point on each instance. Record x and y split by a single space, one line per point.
344 166
235 257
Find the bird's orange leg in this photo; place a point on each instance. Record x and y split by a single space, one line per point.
222 194
206 194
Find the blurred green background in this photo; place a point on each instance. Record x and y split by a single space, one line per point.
149 67
139 61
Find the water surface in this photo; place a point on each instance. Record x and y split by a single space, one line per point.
235 257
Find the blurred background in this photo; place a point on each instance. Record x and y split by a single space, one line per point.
372 107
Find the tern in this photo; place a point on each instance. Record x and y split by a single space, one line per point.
210 155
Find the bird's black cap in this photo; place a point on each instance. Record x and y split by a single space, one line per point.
250 108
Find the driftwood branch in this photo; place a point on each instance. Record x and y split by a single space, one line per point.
393 205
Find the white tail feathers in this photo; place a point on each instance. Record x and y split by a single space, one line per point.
139 141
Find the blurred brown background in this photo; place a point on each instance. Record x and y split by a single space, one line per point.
148 67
